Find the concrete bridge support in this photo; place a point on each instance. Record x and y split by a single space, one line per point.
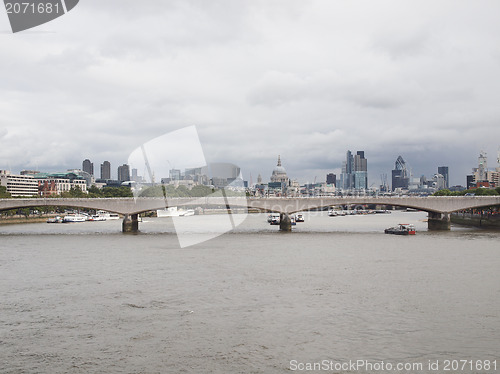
285 222
130 223
438 221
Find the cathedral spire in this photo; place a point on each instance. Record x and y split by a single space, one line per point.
279 160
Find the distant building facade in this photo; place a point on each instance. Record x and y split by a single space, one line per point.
279 179
29 172
439 182
400 174
354 172
481 176
443 170
19 185
106 170
88 166
360 171
347 176
331 179
279 174
470 183
174 174
89 178
123 173
57 183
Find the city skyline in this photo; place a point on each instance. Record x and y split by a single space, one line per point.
306 80
348 178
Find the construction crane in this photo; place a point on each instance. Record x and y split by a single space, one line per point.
384 185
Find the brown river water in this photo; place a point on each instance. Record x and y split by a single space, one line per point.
85 298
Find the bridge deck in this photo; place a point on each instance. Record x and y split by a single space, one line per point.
127 206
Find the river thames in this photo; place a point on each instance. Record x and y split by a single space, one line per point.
85 298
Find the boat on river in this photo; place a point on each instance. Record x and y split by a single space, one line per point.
174 212
74 218
274 219
401 229
97 217
56 219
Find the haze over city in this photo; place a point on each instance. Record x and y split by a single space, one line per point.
306 80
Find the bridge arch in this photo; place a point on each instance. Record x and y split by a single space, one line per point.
427 204
438 208
21 203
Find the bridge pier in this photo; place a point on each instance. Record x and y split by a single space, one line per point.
285 222
130 223
438 221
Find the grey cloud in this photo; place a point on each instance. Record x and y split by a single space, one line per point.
259 79
400 46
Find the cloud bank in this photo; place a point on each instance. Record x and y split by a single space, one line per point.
307 80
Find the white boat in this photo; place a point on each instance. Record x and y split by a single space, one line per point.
274 219
97 217
56 219
74 218
174 212
332 213
102 215
299 217
168 212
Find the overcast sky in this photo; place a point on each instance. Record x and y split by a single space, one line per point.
306 79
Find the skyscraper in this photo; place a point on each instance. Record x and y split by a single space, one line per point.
443 170
400 174
123 173
88 166
360 171
354 171
347 177
106 170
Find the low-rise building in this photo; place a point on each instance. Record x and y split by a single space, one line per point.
19 185
57 183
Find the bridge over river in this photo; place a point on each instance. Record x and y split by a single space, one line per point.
438 207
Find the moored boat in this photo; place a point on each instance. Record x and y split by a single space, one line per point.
56 219
274 219
168 212
333 213
74 218
97 217
174 212
299 217
102 215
